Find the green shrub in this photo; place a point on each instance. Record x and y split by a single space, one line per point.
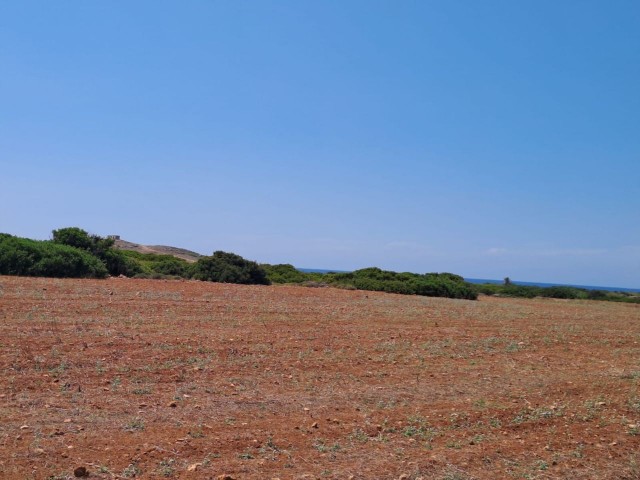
430 284
597 295
285 273
22 256
524 291
153 265
488 288
172 266
228 268
563 292
115 261
531 291
118 264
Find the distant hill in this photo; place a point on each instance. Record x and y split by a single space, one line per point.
182 253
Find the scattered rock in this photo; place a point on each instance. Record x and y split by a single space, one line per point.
172 404
81 472
194 467
225 477
315 425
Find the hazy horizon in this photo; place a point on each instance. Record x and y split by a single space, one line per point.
488 139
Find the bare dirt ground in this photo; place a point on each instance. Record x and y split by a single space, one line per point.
184 379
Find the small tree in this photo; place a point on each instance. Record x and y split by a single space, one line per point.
74 237
115 261
507 282
78 238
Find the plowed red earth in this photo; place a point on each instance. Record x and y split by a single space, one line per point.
184 379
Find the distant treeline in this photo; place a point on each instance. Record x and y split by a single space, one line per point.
74 253
529 291
374 279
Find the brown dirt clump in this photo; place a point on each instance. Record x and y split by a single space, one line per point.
184 379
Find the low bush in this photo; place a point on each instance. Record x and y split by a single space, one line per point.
428 284
152 265
285 273
22 256
562 292
228 268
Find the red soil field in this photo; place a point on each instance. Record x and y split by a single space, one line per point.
184 379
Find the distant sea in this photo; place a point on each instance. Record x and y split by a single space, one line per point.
499 282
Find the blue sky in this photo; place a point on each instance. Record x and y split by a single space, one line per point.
489 139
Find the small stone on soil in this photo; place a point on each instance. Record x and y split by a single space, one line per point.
81 472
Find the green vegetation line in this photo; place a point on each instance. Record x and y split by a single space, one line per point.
74 253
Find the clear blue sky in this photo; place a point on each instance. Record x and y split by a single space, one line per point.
489 139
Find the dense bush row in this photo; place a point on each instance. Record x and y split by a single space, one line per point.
529 291
428 284
375 279
74 253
